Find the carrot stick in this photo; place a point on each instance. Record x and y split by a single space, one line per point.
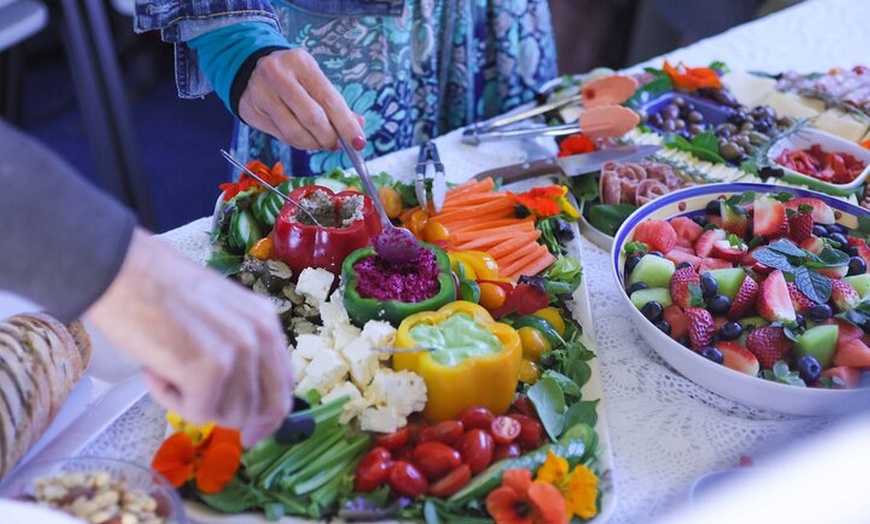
485 240
498 214
515 242
530 264
478 225
482 186
471 199
517 227
508 258
473 211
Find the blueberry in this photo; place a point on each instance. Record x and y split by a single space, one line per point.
838 228
730 331
852 251
664 326
839 238
637 286
714 207
701 220
800 321
718 304
819 230
857 266
652 310
809 368
709 286
686 263
631 262
657 254
712 353
819 312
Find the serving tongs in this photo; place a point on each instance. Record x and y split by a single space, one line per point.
604 91
601 122
429 157
270 187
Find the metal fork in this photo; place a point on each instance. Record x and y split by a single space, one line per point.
429 156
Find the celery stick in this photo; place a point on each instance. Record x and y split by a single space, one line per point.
316 477
300 456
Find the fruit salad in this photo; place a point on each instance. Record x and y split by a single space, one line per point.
770 285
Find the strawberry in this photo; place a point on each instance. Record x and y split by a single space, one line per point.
713 263
659 235
813 244
682 282
800 226
677 255
768 344
774 303
701 327
822 212
801 302
728 250
769 219
744 300
844 296
738 358
675 316
704 244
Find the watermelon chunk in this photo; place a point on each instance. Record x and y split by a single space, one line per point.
658 235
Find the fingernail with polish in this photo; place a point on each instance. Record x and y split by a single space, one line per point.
359 143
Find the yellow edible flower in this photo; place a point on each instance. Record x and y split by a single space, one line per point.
196 432
579 487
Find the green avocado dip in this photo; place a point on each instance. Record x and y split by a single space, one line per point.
455 339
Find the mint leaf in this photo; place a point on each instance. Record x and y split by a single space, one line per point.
636 247
734 240
707 141
787 248
696 295
773 259
815 286
834 257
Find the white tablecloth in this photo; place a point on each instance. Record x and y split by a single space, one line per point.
664 430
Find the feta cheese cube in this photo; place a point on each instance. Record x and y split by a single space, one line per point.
344 334
314 284
363 361
403 391
381 419
323 372
298 363
380 334
310 345
355 404
333 314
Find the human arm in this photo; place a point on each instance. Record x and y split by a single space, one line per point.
73 250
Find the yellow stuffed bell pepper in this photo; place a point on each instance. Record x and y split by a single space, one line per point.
475 361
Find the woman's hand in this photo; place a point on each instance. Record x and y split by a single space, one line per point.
290 98
210 349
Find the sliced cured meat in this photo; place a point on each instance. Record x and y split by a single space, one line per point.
628 188
609 188
650 189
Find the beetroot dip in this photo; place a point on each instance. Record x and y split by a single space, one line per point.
412 281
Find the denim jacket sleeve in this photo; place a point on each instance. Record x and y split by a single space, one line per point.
182 20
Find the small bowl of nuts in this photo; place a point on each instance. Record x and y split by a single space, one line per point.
98 491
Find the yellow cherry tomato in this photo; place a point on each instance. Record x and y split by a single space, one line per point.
391 200
554 317
492 296
435 231
262 249
534 343
417 222
530 371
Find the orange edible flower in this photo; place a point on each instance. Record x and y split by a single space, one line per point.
520 500
692 78
576 145
547 201
866 143
579 487
211 463
273 177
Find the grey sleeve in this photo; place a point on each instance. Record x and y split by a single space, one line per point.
62 241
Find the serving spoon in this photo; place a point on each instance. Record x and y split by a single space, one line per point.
394 244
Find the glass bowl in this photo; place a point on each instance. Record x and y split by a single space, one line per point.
92 477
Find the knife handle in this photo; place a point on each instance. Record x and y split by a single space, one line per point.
524 171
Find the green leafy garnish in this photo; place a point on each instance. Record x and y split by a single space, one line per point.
704 146
608 217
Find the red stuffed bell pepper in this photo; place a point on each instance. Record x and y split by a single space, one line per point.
348 221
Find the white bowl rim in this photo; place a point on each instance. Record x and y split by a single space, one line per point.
846 144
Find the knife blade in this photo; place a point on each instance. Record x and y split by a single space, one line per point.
573 165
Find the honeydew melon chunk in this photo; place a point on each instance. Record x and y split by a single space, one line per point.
861 283
660 294
653 271
729 280
819 342
755 322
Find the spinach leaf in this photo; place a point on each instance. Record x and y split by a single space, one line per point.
608 217
549 401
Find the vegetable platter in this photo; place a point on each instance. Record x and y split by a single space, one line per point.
722 126
461 386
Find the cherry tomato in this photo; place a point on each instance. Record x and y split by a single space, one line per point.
476 417
531 432
435 231
505 451
476 449
524 405
372 471
395 439
435 459
530 372
391 200
534 343
405 479
554 317
405 453
452 482
504 429
492 296
447 432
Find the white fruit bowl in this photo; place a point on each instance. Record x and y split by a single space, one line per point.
749 390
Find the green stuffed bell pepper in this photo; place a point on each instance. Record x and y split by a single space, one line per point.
378 290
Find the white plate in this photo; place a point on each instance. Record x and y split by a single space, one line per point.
18 512
591 390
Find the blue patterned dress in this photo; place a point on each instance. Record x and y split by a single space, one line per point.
441 65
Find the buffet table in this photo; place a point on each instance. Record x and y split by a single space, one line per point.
664 430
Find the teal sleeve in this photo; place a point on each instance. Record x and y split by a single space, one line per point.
223 51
